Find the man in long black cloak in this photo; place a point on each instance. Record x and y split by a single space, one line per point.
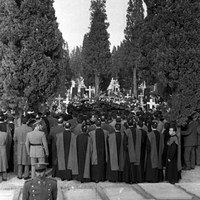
99 153
83 144
52 141
114 145
63 141
155 144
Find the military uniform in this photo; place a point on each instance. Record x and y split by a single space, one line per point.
37 189
36 145
40 187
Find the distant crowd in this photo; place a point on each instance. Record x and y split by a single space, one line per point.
117 146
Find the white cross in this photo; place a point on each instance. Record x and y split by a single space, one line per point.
90 91
140 96
59 99
127 96
66 100
151 103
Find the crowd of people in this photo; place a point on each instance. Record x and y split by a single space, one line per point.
116 145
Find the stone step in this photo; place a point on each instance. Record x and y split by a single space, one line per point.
72 190
191 188
163 191
122 193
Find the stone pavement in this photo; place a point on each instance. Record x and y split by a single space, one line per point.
188 188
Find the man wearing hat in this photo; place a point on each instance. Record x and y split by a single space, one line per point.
40 187
36 145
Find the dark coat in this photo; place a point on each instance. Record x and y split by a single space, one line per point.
52 140
20 139
190 135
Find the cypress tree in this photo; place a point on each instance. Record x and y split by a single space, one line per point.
96 48
173 55
35 50
134 19
76 62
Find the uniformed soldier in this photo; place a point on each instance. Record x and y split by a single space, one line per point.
36 145
40 187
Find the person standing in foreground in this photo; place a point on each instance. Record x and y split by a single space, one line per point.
23 160
63 142
83 144
5 138
36 145
99 153
52 142
40 187
172 173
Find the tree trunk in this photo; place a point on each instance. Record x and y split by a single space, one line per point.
135 81
96 84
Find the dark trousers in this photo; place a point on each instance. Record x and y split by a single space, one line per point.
189 157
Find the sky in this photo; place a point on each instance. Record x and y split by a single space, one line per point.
73 17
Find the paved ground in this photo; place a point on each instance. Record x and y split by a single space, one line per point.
187 188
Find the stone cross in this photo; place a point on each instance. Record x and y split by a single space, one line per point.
151 103
59 98
66 100
128 96
90 91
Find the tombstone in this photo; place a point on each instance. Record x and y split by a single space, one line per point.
141 100
59 98
128 96
66 101
90 90
82 91
152 104
81 87
74 92
113 87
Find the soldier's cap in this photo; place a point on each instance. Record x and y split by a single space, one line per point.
41 166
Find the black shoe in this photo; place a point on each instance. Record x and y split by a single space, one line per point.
19 177
26 178
4 179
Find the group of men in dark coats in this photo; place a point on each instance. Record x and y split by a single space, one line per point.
119 150
118 147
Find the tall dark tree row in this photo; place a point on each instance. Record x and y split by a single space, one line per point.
32 52
134 20
121 69
76 62
171 54
96 48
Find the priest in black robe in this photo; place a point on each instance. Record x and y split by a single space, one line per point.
63 141
131 136
141 138
172 173
52 141
154 149
99 153
114 145
83 144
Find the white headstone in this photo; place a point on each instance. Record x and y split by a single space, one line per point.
151 103
59 98
90 90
